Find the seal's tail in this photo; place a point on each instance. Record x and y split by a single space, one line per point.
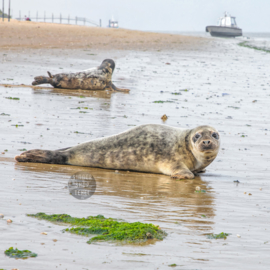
42 79
42 156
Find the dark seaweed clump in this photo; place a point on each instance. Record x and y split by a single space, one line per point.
19 254
107 229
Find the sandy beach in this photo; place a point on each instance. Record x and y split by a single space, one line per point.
23 34
198 81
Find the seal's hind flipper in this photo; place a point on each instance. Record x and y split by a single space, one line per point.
42 156
50 75
41 80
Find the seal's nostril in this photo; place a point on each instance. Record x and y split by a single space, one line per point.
206 142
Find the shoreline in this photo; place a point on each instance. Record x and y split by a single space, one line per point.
38 35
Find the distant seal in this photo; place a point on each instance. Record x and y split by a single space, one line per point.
99 78
177 152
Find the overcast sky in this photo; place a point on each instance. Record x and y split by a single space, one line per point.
155 15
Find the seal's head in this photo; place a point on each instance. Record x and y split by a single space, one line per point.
205 141
108 65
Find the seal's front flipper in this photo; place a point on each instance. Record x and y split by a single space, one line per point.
200 171
42 79
185 174
42 156
114 88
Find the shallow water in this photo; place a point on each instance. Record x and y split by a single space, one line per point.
228 88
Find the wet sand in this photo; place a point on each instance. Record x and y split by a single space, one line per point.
228 88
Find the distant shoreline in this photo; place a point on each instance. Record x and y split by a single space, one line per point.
37 35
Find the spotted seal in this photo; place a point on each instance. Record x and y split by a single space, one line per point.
177 152
98 78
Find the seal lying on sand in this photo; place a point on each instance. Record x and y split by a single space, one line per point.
99 78
147 148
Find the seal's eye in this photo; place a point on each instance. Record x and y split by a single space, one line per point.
215 135
197 136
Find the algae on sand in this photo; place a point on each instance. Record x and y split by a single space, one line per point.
19 254
218 236
107 229
246 45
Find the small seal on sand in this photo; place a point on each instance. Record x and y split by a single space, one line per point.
177 152
99 78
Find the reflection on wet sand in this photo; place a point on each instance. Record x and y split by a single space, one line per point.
151 194
65 92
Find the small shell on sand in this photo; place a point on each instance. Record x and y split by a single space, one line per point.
164 117
1 215
198 188
44 233
9 221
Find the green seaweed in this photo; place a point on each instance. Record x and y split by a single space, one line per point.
22 149
12 98
218 236
78 108
135 254
4 114
19 254
161 101
244 44
18 125
172 265
200 191
106 229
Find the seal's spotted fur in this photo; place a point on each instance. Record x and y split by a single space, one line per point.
99 78
147 148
